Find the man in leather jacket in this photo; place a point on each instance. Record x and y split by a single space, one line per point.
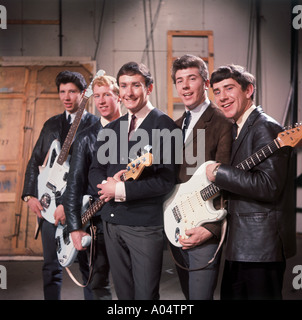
70 86
107 101
261 234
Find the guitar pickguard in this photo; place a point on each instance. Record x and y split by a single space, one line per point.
185 208
66 251
52 182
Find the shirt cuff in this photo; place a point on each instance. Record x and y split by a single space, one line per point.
120 192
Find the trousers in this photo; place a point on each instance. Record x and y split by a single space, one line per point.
52 270
135 257
198 284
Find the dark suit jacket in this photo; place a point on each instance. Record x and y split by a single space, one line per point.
261 208
52 129
144 197
218 141
218 138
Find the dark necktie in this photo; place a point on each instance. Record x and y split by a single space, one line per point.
234 131
69 119
132 125
186 124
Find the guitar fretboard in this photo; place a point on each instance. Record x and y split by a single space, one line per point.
91 211
71 133
95 207
259 156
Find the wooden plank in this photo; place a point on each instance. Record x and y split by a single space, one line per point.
7 197
35 22
170 58
190 33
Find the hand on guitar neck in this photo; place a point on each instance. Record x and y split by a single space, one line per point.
210 171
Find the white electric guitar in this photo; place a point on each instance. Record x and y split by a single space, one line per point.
66 251
53 176
190 204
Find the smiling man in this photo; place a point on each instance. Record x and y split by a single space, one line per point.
191 78
262 233
107 102
70 86
133 213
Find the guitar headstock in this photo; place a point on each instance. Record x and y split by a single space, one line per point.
136 167
290 137
88 92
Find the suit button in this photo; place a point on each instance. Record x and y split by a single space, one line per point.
112 215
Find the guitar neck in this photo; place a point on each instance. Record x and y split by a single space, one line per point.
95 207
72 131
91 211
259 156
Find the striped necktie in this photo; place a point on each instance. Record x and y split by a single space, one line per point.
132 125
186 124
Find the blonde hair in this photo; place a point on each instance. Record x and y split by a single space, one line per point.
106 81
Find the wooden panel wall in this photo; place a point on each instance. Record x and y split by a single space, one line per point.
28 97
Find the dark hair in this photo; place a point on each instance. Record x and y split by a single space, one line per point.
132 68
190 61
70 76
238 73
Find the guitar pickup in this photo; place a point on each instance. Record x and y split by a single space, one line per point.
51 187
66 236
176 214
58 243
65 176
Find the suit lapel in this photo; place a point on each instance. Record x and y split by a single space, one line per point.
202 123
244 131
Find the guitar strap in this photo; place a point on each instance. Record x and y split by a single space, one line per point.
223 233
91 259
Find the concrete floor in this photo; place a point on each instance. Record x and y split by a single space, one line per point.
24 280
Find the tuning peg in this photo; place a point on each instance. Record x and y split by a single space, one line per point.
148 148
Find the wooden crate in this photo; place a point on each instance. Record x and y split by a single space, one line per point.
28 97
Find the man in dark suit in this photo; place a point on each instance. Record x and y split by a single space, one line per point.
261 232
191 78
133 214
70 86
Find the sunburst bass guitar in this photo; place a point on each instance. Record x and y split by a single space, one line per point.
66 251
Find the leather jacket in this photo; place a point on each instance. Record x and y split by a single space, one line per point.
261 207
52 129
77 183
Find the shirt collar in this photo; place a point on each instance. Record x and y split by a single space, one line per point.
72 115
241 121
200 109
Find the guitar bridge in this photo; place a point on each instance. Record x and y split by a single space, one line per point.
176 214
